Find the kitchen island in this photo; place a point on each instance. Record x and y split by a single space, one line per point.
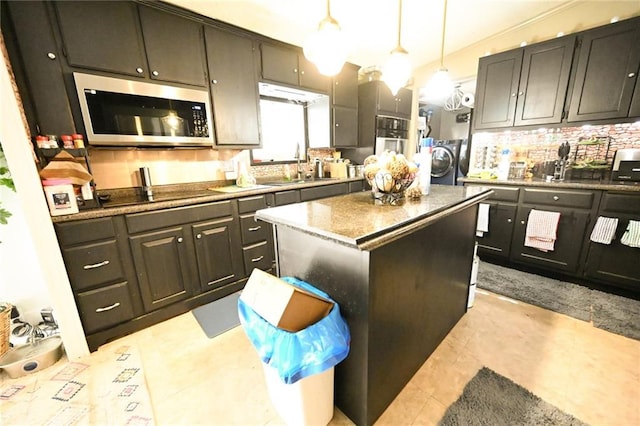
400 275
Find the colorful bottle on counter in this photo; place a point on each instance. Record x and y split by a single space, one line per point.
424 165
504 164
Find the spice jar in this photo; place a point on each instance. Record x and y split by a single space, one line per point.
42 141
78 140
67 141
53 141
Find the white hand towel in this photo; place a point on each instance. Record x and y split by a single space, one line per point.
542 227
482 225
605 230
631 236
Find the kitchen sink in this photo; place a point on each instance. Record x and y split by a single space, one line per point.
295 182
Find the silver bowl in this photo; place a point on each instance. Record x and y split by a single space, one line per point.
31 357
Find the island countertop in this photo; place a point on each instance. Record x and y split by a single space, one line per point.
356 220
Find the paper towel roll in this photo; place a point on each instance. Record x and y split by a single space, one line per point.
468 100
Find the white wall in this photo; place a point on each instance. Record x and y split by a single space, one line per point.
32 272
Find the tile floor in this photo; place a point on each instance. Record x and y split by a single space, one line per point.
587 372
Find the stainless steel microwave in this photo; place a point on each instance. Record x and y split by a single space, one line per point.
119 112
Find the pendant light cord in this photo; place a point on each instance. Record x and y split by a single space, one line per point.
399 20
328 8
444 26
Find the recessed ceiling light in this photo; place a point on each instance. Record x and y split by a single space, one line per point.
487 53
615 19
523 44
560 34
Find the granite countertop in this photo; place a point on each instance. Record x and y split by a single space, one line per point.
566 184
355 220
126 201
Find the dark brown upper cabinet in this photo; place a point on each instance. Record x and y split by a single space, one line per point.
606 73
526 86
289 66
344 107
123 38
233 81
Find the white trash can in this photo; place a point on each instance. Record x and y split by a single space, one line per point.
308 402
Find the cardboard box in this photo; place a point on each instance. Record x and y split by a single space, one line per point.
282 304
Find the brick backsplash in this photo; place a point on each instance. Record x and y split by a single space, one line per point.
540 145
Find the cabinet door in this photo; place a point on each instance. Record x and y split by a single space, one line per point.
387 103
345 126
174 47
568 245
634 110
279 64
345 87
102 35
234 87
162 263
403 102
217 253
606 73
543 82
41 59
310 77
497 241
615 263
496 90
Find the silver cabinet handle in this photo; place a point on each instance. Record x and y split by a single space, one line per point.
96 265
635 169
509 220
513 95
632 74
257 259
521 93
214 81
51 55
139 70
179 239
556 198
522 222
198 236
155 73
295 70
108 308
255 228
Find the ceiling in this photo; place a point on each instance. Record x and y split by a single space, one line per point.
372 25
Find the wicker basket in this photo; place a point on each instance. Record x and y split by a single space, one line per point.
5 327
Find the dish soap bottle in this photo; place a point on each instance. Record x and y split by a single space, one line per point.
504 164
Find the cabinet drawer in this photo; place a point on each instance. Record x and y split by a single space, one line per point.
259 256
251 204
621 203
139 222
93 264
578 199
286 197
70 233
504 194
356 186
308 194
254 231
104 307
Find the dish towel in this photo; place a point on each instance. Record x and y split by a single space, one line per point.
482 225
542 227
605 230
631 236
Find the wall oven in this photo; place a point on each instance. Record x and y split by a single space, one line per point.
391 134
119 112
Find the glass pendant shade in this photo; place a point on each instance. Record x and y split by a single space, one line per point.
397 70
440 86
327 47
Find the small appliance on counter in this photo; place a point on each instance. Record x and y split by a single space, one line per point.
626 165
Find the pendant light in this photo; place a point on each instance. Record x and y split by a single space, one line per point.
327 47
397 70
440 86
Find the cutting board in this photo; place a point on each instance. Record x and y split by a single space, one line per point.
236 188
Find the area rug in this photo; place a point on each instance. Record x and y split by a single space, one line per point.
616 314
558 296
107 387
619 315
491 399
218 316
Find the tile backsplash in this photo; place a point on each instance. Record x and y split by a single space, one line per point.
533 146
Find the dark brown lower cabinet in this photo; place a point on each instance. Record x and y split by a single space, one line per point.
616 264
497 241
163 266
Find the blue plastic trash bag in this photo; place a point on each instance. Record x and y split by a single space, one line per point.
301 354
